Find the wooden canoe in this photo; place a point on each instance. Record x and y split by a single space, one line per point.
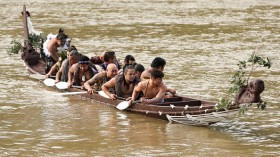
178 109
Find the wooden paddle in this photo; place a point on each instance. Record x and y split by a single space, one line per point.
63 85
49 82
102 93
40 77
37 76
122 105
70 93
125 104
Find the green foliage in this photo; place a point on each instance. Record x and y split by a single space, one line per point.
223 104
15 48
241 78
34 39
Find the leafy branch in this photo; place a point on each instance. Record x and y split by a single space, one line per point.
34 39
241 78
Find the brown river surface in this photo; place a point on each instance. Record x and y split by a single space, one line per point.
201 41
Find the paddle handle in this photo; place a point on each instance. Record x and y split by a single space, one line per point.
136 101
70 93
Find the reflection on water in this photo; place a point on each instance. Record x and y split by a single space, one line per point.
202 42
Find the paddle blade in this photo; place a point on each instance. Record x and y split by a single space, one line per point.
37 76
61 85
49 82
102 93
123 105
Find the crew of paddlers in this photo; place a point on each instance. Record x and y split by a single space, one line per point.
104 72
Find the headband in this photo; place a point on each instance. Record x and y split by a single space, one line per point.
83 62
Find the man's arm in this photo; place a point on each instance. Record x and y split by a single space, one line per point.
171 90
71 74
53 69
95 79
158 97
137 89
107 85
59 72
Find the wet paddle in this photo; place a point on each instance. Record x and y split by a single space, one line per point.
102 93
63 85
125 104
40 77
37 76
49 82
70 93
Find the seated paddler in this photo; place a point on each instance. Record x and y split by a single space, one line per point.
95 83
72 58
153 89
80 72
63 55
123 84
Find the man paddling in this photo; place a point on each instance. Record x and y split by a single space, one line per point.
123 84
153 89
72 58
80 72
95 83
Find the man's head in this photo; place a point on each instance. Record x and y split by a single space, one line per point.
158 63
109 57
129 73
61 38
129 59
139 68
156 77
71 48
111 70
84 63
73 57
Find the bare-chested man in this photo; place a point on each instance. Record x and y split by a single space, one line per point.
99 79
157 64
123 84
51 46
153 89
80 72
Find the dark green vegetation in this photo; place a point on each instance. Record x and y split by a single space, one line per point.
241 78
34 39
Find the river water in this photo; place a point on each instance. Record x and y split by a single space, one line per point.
201 41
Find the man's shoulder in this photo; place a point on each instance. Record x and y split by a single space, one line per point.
101 74
163 86
143 83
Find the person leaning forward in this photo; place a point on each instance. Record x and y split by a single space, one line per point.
102 77
72 58
80 72
123 84
153 89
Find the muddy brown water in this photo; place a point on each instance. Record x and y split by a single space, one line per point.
201 41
